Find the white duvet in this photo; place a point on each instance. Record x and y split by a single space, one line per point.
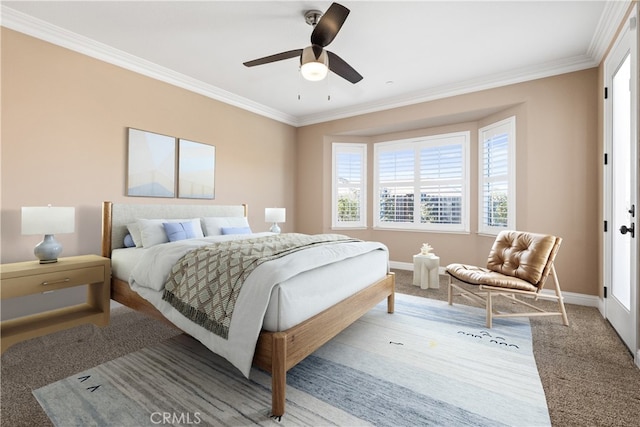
149 275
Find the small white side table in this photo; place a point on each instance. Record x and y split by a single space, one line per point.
426 271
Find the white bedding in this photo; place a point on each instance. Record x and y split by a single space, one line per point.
300 297
277 295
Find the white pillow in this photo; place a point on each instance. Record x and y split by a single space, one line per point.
152 232
213 225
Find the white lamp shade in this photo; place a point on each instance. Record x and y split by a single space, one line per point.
275 214
48 220
311 68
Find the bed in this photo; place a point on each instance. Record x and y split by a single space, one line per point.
287 334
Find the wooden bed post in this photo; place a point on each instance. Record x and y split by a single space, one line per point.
391 299
107 217
278 374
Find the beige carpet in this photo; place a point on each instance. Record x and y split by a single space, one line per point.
588 375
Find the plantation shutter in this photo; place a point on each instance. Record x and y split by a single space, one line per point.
349 185
441 184
421 184
396 178
497 187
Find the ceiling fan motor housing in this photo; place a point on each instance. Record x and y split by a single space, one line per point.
312 17
311 68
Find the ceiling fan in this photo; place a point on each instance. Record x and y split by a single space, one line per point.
315 61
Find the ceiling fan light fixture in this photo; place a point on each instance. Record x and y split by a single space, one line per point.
311 68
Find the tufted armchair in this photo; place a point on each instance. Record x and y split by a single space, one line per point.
518 265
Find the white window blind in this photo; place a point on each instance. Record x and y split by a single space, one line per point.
422 183
349 185
497 180
441 184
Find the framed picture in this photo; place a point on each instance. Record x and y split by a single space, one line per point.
196 170
151 169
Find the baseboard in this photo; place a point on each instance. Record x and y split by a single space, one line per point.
401 265
577 299
569 297
409 266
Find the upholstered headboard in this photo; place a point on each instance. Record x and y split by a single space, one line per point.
116 217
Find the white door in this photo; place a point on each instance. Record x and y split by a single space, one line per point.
621 187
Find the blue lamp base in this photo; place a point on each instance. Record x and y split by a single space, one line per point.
48 250
274 228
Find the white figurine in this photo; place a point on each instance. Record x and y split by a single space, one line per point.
426 249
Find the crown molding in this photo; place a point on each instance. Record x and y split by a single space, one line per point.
43 30
610 20
612 15
460 88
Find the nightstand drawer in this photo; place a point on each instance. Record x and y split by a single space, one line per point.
28 285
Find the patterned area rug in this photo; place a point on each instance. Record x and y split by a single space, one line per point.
427 364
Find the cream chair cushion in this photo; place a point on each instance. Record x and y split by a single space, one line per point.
482 276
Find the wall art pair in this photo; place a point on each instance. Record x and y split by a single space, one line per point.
165 166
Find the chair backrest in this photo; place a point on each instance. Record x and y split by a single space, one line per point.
527 256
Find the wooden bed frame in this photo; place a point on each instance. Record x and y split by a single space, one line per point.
276 352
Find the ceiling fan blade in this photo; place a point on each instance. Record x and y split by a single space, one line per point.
341 68
274 58
329 25
317 50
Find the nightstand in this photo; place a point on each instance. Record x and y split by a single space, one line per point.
29 278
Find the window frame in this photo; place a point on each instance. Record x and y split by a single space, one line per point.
351 147
495 128
417 144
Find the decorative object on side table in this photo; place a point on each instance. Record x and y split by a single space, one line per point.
426 249
48 221
275 215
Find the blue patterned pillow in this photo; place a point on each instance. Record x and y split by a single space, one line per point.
179 231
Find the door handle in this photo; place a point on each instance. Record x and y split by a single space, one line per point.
624 229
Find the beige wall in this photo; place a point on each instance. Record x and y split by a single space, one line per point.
64 142
557 163
69 113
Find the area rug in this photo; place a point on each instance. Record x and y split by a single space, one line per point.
427 364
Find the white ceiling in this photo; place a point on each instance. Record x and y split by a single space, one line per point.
408 52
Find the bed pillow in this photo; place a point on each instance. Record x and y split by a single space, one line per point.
134 231
235 230
128 241
213 225
179 230
152 231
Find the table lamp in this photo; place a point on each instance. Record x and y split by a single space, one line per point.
48 220
275 215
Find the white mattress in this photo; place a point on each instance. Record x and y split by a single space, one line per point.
299 298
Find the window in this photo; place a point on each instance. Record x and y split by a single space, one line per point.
349 190
497 177
421 184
